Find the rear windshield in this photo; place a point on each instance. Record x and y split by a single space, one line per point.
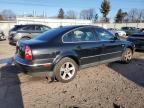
51 34
17 27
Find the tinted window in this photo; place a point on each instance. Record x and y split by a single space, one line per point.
17 27
80 35
42 28
50 34
38 28
138 35
103 34
29 28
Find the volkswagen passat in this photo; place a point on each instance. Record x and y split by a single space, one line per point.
61 52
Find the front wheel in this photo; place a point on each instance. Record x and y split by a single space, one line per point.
127 55
65 70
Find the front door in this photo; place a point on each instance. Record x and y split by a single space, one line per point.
112 47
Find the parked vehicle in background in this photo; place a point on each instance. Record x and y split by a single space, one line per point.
117 32
14 29
26 32
138 40
2 35
142 29
130 30
63 51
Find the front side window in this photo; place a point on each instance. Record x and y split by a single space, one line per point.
80 35
104 35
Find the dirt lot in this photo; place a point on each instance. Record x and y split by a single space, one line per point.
113 85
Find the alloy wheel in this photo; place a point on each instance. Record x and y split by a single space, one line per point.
67 71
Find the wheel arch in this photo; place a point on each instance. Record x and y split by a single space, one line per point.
25 37
130 47
69 55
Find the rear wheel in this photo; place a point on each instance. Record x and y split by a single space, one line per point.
127 55
65 70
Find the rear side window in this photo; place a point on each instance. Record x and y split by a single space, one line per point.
42 28
29 28
104 35
80 35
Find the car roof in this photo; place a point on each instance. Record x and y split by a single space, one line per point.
30 25
56 32
76 26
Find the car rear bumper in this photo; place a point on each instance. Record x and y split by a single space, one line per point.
33 69
12 41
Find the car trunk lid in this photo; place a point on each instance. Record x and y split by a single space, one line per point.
21 46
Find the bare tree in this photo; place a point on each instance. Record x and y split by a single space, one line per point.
135 15
142 15
132 15
8 15
87 14
71 14
1 18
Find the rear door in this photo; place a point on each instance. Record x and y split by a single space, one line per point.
85 44
111 48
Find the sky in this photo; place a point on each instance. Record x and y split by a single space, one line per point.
51 7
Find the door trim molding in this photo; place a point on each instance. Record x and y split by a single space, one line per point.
100 55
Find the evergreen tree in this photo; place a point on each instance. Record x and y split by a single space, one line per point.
61 14
105 9
120 16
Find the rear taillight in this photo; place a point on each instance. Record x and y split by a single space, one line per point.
28 53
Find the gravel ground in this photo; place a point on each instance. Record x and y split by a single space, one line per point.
111 85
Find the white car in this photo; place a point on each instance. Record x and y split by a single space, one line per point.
117 32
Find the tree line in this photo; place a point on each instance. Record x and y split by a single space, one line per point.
133 16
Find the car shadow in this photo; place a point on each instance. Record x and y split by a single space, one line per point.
138 50
10 91
7 61
133 71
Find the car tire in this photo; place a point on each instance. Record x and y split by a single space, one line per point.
127 56
65 70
